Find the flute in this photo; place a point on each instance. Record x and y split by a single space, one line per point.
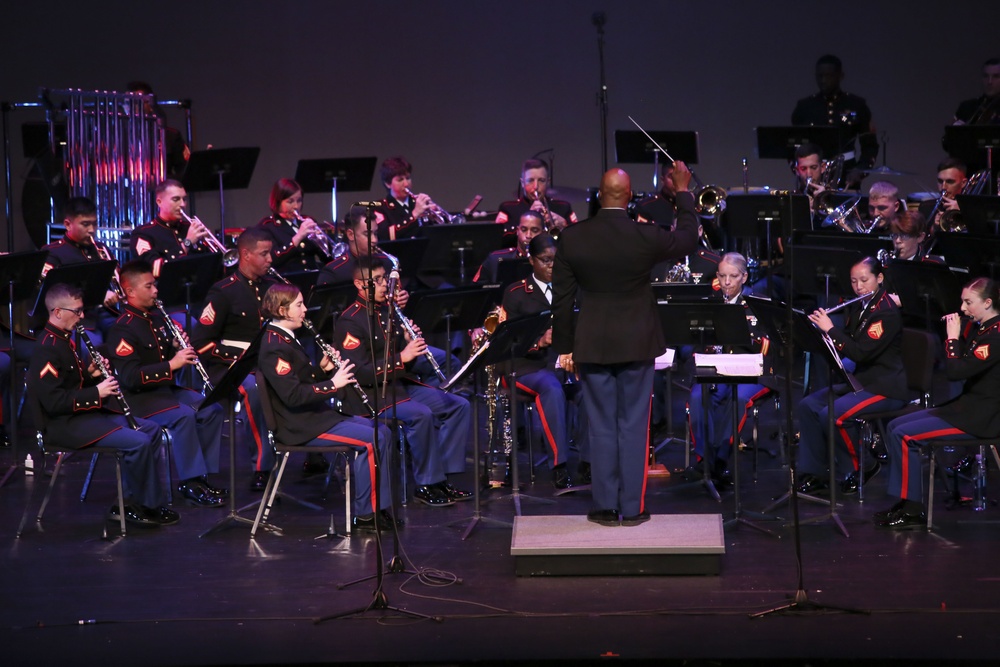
328 350
102 365
847 303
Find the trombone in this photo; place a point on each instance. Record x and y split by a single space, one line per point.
230 256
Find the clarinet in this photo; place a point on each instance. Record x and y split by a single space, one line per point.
102 365
178 336
408 328
328 350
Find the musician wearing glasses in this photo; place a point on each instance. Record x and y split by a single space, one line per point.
75 407
300 398
399 214
732 277
78 245
298 242
871 339
534 184
529 226
169 236
148 360
971 356
231 319
437 423
536 376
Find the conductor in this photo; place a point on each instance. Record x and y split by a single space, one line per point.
603 266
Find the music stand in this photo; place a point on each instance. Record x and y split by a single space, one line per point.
349 174
980 213
634 147
779 143
967 142
927 291
511 270
454 248
409 252
92 277
222 169
186 281
866 245
20 272
755 216
455 309
816 267
227 389
328 301
684 292
980 254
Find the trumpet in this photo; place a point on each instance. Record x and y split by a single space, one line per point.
105 369
331 353
319 239
885 256
182 343
849 302
116 285
230 257
436 215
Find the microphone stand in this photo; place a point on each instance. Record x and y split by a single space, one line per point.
599 19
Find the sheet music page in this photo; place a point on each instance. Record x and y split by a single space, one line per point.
732 364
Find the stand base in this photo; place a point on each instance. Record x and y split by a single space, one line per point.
231 520
474 520
802 604
7 475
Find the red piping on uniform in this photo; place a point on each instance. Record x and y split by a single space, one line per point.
253 426
369 453
905 488
848 415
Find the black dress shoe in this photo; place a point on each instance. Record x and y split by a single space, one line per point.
162 515
196 494
134 515
217 491
388 519
432 495
603 517
363 524
315 464
880 517
903 520
560 477
693 473
583 472
721 475
641 517
964 465
456 495
811 485
259 480
849 486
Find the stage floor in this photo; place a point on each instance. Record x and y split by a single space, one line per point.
169 597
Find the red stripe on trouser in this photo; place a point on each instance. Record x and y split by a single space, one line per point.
645 458
848 415
254 431
746 409
903 493
369 452
545 422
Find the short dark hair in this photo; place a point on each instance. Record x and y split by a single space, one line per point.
278 296
250 237
361 270
534 163
282 189
131 271
830 59
540 244
531 213
394 166
356 218
60 292
953 163
805 150
78 206
991 62
167 183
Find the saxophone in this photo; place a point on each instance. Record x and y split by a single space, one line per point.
500 437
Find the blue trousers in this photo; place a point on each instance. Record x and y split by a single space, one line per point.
140 481
423 369
905 435
617 399
359 433
550 411
719 424
261 452
812 414
438 427
195 434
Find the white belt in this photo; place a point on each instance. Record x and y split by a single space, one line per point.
235 343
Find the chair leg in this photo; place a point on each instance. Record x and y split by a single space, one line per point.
348 494
121 494
52 483
90 476
168 460
529 434
403 477
930 488
270 491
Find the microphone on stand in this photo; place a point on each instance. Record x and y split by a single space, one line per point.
392 284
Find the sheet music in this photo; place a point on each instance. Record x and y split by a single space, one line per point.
665 360
732 364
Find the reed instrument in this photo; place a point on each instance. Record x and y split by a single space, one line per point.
102 365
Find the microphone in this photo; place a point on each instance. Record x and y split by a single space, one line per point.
392 284
367 204
598 18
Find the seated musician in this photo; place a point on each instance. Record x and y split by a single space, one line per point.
660 209
534 185
732 277
909 236
528 227
300 398
298 242
970 356
872 339
884 205
148 360
177 151
985 109
169 236
535 374
437 423
79 245
75 408
952 176
399 214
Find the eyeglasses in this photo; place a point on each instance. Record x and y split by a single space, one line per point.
379 280
76 311
896 236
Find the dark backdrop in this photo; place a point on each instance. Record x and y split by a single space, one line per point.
466 90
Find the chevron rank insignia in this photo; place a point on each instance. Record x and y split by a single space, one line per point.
982 352
48 368
207 316
142 246
351 343
875 331
282 367
124 349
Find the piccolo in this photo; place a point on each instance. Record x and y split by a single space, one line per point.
102 365
328 350
182 344
847 303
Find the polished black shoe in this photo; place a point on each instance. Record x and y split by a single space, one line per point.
811 485
388 520
849 486
903 520
315 464
432 495
964 465
363 524
880 517
135 515
162 515
259 480
217 491
604 517
641 517
721 475
583 472
693 473
456 495
879 451
196 494
560 477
